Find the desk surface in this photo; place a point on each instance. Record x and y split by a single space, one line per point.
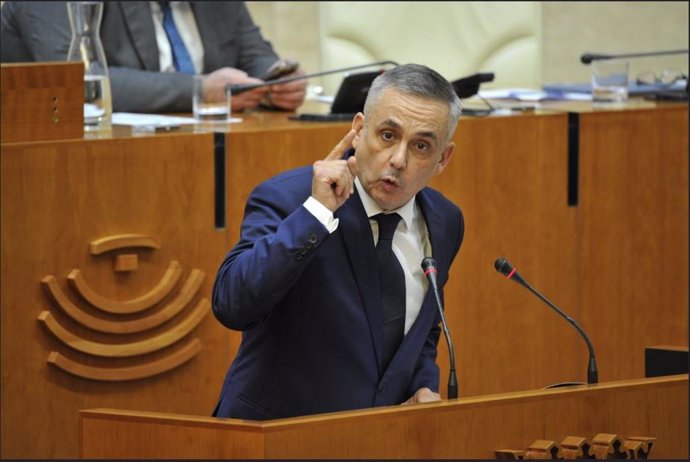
270 121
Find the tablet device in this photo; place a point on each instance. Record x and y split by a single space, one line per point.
353 93
348 101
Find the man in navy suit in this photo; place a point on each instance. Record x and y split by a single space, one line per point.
221 37
302 283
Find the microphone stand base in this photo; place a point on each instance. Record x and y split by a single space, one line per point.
564 384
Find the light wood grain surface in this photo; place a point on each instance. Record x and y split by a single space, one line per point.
617 263
467 428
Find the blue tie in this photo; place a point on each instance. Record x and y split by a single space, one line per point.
181 59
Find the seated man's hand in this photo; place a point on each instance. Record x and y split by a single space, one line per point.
423 395
216 81
288 96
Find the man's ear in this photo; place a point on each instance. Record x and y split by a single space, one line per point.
357 126
445 157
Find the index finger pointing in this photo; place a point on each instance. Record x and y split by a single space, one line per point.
342 146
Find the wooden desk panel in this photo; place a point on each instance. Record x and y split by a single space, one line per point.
508 176
42 101
633 233
57 198
469 428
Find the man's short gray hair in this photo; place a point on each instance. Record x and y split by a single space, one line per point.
417 80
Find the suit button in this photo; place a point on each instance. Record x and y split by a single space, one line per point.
381 389
313 239
298 256
302 251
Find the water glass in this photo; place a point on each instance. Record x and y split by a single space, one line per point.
210 108
609 81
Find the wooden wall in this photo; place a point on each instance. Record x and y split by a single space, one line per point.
617 262
57 199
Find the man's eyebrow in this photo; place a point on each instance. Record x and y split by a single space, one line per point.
390 123
428 134
423 134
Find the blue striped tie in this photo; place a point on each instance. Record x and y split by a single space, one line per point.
181 58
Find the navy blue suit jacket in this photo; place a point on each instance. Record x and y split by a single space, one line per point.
308 305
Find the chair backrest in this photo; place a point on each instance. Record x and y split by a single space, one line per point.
455 38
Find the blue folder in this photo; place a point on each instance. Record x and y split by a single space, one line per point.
634 88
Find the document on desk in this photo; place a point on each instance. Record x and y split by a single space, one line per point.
530 95
634 88
156 122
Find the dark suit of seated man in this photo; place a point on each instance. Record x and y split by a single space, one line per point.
224 42
303 283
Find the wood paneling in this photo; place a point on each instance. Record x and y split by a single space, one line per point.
633 233
59 197
617 263
509 176
467 428
42 101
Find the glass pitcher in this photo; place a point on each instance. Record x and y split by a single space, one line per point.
86 46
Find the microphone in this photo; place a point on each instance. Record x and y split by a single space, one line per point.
241 88
506 269
429 267
469 86
587 58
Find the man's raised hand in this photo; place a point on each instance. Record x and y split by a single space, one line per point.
334 176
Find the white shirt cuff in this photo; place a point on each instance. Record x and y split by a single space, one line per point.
321 213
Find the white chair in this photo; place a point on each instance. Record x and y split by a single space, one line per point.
455 38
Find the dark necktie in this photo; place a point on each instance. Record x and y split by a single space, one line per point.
392 280
181 58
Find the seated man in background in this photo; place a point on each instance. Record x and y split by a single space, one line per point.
221 40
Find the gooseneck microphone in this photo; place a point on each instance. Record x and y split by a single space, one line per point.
587 58
506 269
429 267
241 88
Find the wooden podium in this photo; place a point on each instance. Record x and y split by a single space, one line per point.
458 429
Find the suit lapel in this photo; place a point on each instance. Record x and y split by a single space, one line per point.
139 22
436 228
208 33
355 230
356 233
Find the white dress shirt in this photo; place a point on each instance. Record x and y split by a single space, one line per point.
410 244
186 25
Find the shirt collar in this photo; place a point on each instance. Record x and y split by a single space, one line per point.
372 208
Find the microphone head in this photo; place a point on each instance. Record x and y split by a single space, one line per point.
428 263
509 271
587 58
502 266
